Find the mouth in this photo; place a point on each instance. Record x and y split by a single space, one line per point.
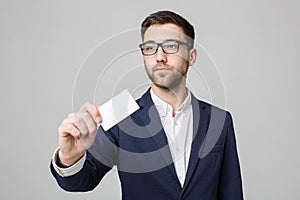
161 68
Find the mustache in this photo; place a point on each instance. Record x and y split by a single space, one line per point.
161 66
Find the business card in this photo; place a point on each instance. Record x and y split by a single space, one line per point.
117 109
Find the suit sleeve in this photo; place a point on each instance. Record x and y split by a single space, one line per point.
100 158
230 185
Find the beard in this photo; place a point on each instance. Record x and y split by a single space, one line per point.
169 78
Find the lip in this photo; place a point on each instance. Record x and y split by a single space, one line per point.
161 69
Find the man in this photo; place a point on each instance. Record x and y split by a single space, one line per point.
174 147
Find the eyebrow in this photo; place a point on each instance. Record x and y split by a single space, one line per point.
149 41
162 41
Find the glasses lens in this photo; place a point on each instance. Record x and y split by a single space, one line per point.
170 46
149 48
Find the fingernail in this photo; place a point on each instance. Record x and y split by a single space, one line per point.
98 119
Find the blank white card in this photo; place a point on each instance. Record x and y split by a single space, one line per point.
117 109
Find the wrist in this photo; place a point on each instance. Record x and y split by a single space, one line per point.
67 161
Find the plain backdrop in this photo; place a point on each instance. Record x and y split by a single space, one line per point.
255 45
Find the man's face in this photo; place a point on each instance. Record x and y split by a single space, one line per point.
167 70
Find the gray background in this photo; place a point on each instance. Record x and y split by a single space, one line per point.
255 45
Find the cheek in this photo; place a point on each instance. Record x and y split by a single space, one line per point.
183 54
179 61
182 66
148 67
149 59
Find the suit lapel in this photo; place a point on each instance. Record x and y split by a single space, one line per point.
200 125
150 115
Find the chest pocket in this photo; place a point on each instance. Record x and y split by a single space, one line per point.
213 159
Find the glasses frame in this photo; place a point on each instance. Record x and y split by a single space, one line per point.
160 44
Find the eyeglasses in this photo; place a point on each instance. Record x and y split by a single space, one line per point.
168 47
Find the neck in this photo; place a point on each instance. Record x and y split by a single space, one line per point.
173 97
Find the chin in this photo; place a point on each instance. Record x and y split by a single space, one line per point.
162 83
168 86
161 86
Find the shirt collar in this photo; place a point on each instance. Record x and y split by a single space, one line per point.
164 108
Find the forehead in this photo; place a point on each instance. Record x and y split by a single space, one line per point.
163 32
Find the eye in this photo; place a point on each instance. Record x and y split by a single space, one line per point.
149 47
170 45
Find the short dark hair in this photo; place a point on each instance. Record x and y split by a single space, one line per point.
165 17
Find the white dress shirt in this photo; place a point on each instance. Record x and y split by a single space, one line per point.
179 133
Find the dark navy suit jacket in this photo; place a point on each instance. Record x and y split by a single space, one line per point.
138 147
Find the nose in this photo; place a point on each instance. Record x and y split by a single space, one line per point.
160 55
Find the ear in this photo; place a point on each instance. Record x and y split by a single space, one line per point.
193 56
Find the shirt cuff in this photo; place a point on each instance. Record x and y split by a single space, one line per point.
68 171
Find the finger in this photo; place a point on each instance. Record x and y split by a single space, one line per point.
92 110
69 129
88 121
77 120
